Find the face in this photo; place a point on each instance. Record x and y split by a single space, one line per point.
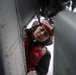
41 34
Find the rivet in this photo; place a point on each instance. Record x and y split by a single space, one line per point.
2 26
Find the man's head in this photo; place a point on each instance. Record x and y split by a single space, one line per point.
43 32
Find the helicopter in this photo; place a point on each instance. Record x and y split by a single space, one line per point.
14 15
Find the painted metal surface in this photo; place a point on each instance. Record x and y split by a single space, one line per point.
11 50
65 44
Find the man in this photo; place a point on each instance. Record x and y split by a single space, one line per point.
35 41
